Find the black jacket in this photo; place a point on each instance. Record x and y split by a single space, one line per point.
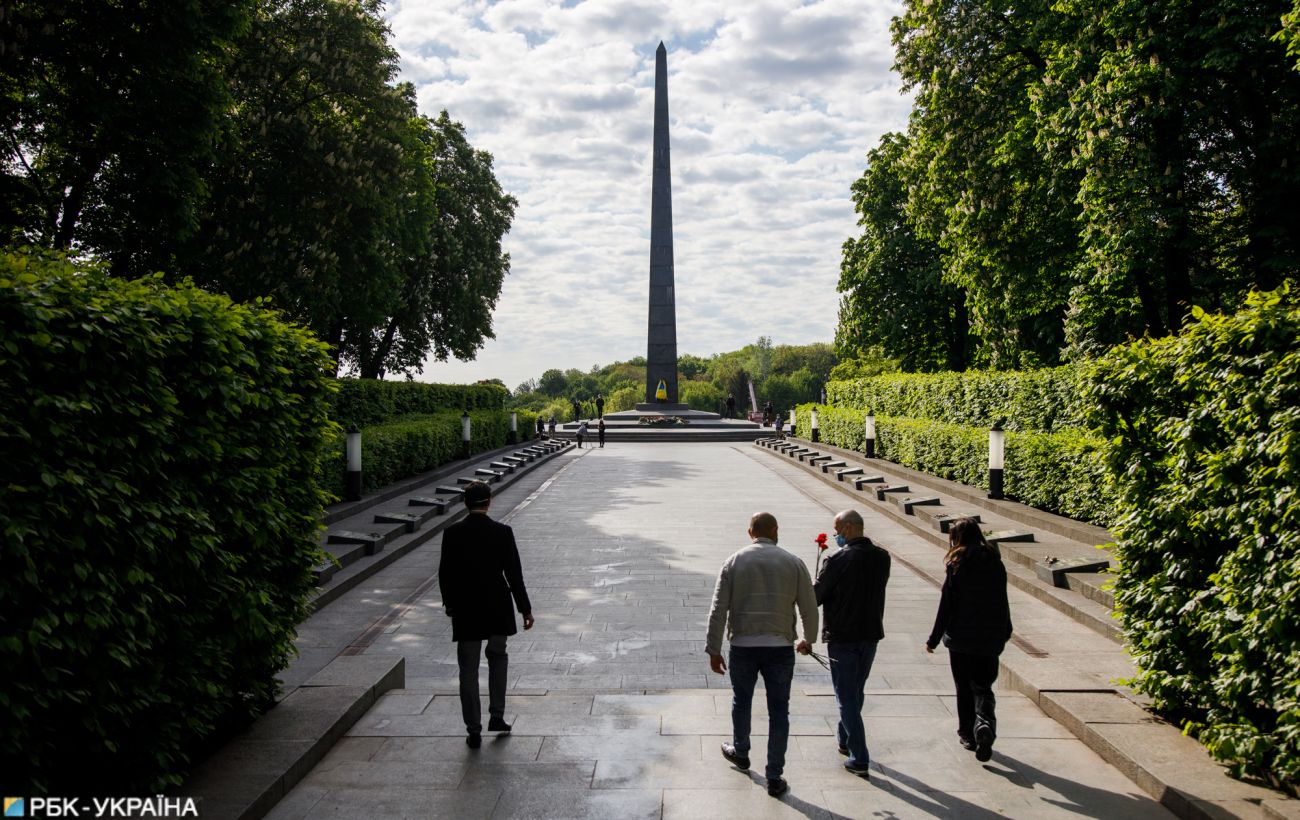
974 616
851 591
479 574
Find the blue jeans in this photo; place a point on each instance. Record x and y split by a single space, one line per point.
850 666
776 665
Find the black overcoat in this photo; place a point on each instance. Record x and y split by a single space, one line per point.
479 575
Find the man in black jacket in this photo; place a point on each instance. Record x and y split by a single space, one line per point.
479 575
851 591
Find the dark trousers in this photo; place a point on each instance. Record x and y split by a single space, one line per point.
776 665
468 654
974 676
850 665
602 438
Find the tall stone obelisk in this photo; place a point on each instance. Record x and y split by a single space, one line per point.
661 346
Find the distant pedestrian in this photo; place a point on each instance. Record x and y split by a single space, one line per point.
479 575
600 430
600 405
974 622
758 592
851 591
577 410
551 426
767 413
582 432
731 406
780 427
541 427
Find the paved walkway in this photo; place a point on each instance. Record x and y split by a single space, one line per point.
615 713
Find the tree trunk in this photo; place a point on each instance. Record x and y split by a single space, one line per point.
74 201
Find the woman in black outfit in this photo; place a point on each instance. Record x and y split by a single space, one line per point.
974 621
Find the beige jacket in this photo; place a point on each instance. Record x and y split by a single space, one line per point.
758 591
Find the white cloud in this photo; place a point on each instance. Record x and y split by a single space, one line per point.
774 105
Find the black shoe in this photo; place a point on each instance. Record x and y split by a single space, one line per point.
498 725
983 743
861 770
844 750
777 786
735 758
474 741
966 741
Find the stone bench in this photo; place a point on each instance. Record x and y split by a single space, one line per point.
439 505
832 465
409 521
908 505
862 481
840 474
885 490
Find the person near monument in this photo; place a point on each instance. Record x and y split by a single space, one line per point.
600 431
541 427
759 590
551 427
600 405
731 406
479 575
851 591
780 427
974 622
767 413
582 433
577 410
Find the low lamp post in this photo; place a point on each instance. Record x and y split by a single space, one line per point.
352 484
513 438
465 434
793 422
997 459
813 424
869 429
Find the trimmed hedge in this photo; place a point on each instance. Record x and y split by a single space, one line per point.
160 513
1206 453
1063 472
1048 400
401 449
363 402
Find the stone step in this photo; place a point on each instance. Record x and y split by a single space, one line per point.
860 482
831 465
1009 537
439 505
410 521
502 466
942 517
490 476
1054 569
909 505
883 491
373 541
818 459
1095 586
840 474
452 491
515 460
344 554
807 455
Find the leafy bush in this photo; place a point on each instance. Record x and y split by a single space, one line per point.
1206 451
160 515
401 449
1063 472
1047 400
363 402
624 398
699 395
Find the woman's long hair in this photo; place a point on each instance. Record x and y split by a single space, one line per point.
966 538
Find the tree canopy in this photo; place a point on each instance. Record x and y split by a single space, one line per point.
263 148
1078 175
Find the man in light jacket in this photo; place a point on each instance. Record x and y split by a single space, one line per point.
758 591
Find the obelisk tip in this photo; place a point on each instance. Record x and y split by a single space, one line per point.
661 49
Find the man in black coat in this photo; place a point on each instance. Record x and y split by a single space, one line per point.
851 591
600 405
479 575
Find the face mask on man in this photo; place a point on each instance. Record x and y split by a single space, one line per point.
840 540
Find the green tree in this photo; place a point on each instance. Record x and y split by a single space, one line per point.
891 281
700 395
108 111
451 259
978 183
553 383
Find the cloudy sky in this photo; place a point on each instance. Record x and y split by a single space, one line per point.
774 105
